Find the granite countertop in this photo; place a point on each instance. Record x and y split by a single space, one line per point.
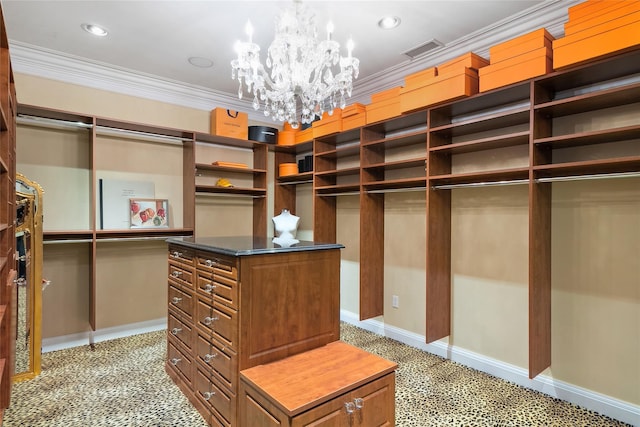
248 245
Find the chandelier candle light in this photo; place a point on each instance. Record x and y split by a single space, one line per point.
307 77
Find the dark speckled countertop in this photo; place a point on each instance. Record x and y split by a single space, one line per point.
247 245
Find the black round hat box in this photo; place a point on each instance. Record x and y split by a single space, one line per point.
263 134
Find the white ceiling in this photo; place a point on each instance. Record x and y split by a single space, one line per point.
155 39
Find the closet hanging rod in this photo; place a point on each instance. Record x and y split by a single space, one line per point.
396 190
296 182
147 136
59 241
136 239
591 176
48 122
480 184
231 195
346 193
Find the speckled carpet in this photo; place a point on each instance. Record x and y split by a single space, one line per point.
123 383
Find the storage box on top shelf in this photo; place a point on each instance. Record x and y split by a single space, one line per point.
419 79
354 116
609 33
304 135
589 8
532 64
459 64
604 12
229 123
520 45
445 87
330 123
384 105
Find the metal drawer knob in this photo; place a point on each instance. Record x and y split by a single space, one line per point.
208 394
176 254
209 357
176 331
176 273
176 300
175 361
209 288
349 407
209 320
209 263
359 402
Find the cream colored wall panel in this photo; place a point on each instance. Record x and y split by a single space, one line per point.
304 209
131 282
348 234
405 260
65 302
59 161
160 163
596 286
223 216
64 96
489 265
503 158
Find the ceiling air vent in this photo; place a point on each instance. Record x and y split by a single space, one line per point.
425 47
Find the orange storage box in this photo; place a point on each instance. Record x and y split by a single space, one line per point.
593 7
445 87
421 78
304 135
517 69
328 124
520 45
383 110
461 63
286 137
607 12
286 169
606 38
354 116
386 95
229 123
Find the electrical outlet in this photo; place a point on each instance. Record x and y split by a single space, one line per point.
395 301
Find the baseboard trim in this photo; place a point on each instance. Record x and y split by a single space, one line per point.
92 337
597 402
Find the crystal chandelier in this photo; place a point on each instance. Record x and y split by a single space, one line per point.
303 77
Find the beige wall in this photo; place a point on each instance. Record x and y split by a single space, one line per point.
596 238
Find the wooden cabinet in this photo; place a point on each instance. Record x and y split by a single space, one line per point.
334 385
230 309
7 221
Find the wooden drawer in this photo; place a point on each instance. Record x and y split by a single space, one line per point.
219 265
179 362
181 331
217 357
181 255
217 320
181 274
222 289
214 395
181 302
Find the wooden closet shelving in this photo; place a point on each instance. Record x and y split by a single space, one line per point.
520 122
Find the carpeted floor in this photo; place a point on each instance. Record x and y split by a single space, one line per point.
123 383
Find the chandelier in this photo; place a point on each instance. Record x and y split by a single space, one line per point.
303 77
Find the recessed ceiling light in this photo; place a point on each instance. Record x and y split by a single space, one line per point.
94 29
198 61
389 22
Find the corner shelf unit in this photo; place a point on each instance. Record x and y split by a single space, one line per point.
174 150
523 123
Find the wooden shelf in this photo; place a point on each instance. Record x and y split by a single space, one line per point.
338 172
231 191
591 167
249 171
495 177
335 190
399 164
489 143
494 120
592 137
299 178
395 184
401 140
350 150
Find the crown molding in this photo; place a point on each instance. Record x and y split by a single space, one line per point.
33 60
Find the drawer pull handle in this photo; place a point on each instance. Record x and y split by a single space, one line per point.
176 331
209 320
209 288
208 394
176 273
176 300
359 402
349 407
176 254
210 263
209 357
175 361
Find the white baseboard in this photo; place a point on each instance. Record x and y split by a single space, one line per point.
597 402
92 337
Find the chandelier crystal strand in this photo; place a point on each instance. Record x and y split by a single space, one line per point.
305 77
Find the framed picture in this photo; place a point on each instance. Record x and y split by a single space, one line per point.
149 213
